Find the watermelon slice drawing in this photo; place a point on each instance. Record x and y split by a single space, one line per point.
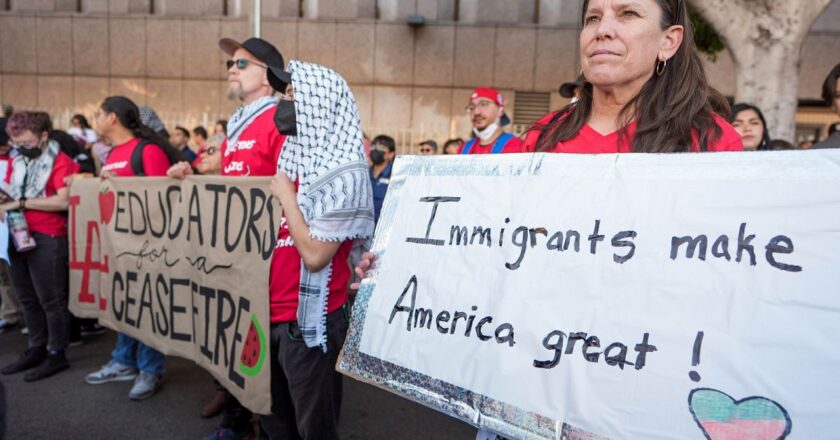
254 351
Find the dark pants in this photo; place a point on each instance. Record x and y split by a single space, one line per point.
40 280
305 388
235 416
2 412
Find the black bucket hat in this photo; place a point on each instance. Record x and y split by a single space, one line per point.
567 89
265 52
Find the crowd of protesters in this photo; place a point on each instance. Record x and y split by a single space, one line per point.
623 102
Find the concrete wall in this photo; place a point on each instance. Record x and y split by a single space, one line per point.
403 77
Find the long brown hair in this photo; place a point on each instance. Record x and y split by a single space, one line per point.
666 110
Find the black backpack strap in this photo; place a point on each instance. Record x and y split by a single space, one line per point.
137 158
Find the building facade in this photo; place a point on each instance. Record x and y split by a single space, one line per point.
411 63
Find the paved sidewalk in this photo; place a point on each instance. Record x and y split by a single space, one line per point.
65 407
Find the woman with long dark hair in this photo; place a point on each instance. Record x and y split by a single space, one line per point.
750 124
138 151
118 122
81 131
645 88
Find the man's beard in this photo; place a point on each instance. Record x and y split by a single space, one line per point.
234 91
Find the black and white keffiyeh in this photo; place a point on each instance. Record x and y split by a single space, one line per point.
327 158
244 115
30 176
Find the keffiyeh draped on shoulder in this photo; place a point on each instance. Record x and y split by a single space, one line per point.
327 158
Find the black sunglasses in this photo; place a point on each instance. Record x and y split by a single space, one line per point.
243 63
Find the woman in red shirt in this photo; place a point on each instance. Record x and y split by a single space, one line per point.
118 122
645 88
39 274
645 91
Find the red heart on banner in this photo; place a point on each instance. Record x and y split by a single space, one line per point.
106 206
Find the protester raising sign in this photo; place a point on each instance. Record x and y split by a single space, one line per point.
629 296
181 266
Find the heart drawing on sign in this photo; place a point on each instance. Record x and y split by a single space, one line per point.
721 417
106 204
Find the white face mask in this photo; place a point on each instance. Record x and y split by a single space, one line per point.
487 133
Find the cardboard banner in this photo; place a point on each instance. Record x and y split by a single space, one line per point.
618 296
183 267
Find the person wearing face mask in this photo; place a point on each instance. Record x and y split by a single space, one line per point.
39 274
487 112
382 152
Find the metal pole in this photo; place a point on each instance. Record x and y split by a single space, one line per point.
256 17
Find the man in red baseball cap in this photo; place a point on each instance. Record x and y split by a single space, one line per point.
487 112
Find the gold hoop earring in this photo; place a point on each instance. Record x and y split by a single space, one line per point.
660 67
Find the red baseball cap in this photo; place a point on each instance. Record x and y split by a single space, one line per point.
488 93
493 95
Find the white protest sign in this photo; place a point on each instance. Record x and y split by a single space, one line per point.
631 296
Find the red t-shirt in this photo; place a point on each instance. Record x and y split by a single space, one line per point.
590 141
7 160
255 154
284 283
46 222
514 145
256 151
155 162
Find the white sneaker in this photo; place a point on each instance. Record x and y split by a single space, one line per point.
145 386
112 372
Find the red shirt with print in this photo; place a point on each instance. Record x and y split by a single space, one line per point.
155 161
255 154
46 222
590 141
514 145
257 149
284 283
